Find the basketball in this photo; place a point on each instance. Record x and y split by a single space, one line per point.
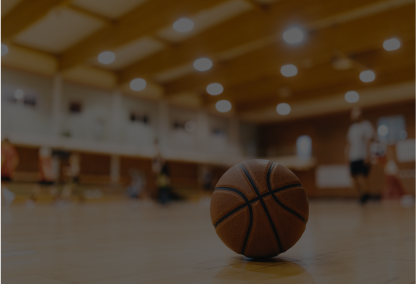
259 208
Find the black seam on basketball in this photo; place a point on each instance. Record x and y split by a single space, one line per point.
280 189
248 203
252 200
229 214
253 185
286 187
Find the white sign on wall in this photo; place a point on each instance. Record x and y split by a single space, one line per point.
405 150
333 176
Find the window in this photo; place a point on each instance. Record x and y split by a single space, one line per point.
135 117
391 128
75 107
304 147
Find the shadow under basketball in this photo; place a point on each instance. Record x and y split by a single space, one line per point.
249 269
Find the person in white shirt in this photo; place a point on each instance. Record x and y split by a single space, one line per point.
360 135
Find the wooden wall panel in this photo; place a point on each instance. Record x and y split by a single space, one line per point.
183 174
95 164
28 159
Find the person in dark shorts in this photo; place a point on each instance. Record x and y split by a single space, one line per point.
360 135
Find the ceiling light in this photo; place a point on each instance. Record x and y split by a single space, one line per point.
289 70
18 94
183 25
293 35
391 44
215 89
352 97
367 76
223 106
4 49
106 57
138 84
283 109
383 130
202 64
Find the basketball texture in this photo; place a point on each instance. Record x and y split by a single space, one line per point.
259 208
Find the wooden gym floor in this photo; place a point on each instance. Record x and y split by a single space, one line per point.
132 242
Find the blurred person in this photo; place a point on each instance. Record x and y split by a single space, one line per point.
359 138
72 176
6 196
161 170
48 170
9 162
137 184
207 178
394 189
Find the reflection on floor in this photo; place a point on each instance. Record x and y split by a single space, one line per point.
142 242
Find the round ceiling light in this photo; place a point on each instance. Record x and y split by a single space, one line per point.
223 106
289 70
215 89
283 109
293 35
391 44
138 84
4 49
367 76
202 64
106 57
352 97
183 25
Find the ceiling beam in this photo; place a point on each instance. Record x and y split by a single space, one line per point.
254 30
90 14
146 19
25 14
386 81
323 43
320 76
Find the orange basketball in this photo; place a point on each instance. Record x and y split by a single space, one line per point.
259 208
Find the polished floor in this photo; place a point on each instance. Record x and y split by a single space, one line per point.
126 242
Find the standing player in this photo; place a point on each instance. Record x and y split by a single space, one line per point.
360 135
9 162
48 170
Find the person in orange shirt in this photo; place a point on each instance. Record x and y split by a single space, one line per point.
9 160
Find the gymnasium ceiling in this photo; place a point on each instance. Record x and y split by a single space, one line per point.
243 38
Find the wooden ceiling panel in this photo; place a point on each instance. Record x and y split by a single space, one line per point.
144 20
109 8
58 30
242 30
206 19
24 14
350 38
134 50
324 81
7 6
